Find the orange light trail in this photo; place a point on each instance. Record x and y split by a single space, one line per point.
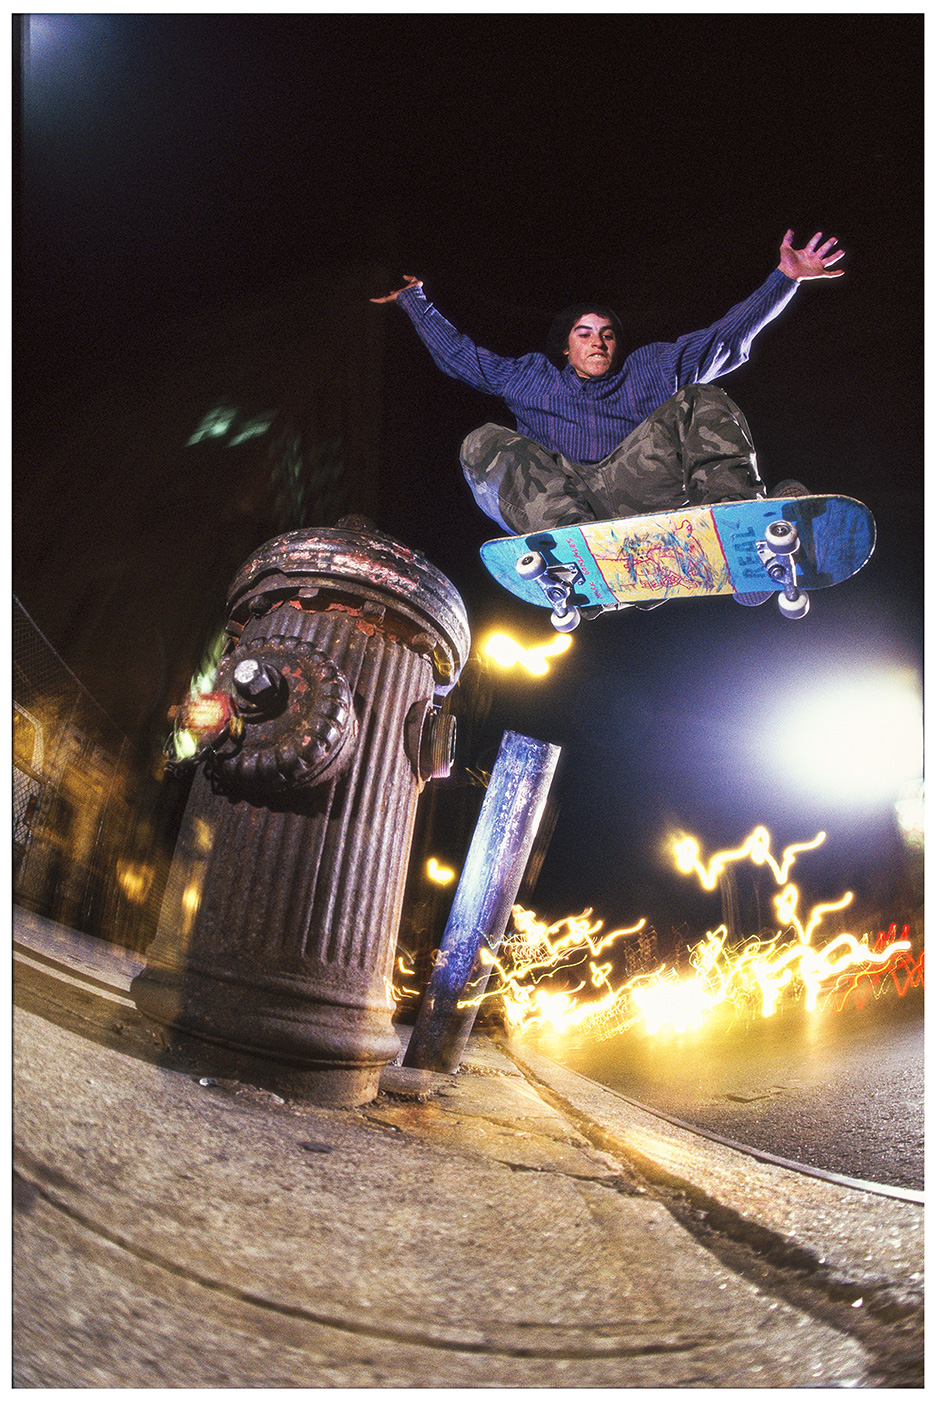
757 974
507 652
535 950
906 973
439 874
756 847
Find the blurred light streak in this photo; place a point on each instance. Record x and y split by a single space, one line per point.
135 879
206 714
405 981
756 847
535 950
756 975
786 902
439 874
505 651
905 973
183 744
192 897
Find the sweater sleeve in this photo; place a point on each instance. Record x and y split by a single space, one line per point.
454 352
703 356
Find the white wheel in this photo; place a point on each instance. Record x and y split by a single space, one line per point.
530 566
566 621
782 537
794 609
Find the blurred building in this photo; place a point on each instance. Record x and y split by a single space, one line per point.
136 499
91 833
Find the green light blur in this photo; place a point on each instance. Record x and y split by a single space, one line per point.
227 423
182 746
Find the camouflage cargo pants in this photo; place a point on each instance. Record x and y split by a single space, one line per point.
696 447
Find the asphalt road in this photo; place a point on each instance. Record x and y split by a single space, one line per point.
841 1091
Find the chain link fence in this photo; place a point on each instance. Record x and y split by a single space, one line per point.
86 852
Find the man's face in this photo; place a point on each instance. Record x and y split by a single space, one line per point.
591 346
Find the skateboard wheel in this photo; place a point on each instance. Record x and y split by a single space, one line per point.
567 620
782 537
530 566
794 609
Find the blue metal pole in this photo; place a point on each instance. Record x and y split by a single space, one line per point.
495 864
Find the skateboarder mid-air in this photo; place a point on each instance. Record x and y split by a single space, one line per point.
601 434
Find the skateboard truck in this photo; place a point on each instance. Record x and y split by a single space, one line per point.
557 584
777 552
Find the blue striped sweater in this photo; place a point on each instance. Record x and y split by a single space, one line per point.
585 420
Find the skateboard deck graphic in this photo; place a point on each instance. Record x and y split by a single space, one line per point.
724 549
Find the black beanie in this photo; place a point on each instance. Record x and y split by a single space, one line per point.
560 330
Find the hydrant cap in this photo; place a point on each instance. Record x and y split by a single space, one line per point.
379 567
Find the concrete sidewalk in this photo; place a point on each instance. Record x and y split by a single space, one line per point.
511 1225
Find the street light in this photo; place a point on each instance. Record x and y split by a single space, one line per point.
861 739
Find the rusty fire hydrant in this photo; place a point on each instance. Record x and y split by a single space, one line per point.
278 929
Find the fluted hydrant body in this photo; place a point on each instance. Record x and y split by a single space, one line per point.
279 926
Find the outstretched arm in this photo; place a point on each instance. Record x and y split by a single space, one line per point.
456 354
702 356
812 262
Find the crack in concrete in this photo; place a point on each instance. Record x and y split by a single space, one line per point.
30 1190
573 1141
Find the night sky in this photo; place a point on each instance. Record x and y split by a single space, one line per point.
174 163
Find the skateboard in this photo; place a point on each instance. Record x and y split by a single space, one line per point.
750 550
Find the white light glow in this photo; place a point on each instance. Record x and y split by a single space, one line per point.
860 740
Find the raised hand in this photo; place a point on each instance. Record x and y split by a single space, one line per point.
410 282
812 262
